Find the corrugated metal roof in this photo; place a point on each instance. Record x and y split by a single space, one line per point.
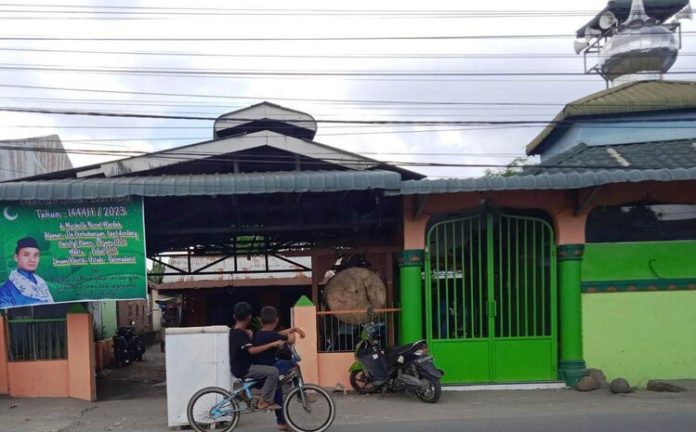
202 184
573 180
17 161
635 97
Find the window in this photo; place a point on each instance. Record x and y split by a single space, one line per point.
641 222
38 333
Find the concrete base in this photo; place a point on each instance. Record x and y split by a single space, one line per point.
571 371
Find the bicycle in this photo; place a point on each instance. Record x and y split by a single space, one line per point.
306 407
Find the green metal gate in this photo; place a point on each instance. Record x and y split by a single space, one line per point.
490 298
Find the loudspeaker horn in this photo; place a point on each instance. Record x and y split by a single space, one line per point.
579 46
607 20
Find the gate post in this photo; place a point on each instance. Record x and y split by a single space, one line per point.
411 293
81 381
304 315
571 366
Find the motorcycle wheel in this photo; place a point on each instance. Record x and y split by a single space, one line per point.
361 383
432 392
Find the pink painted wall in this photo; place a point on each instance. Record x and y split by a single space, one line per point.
73 377
82 384
333 369
39 378
4 386
305 317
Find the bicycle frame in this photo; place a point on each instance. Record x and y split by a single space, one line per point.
294 376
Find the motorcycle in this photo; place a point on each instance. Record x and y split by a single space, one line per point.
406 368
128 346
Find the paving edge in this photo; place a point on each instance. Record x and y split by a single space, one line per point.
520 386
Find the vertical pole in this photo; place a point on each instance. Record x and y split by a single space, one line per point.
389 273
315 277
410 270
4 377
571 366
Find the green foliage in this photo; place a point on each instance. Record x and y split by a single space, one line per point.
155 273
515 167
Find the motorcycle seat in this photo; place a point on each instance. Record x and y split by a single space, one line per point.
399 350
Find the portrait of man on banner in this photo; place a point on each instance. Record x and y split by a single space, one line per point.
23 286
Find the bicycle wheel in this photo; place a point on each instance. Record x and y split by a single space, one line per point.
316 415
202 406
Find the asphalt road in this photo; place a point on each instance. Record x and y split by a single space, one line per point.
678 421
137 404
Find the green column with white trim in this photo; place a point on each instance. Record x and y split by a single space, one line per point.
411 293
571 365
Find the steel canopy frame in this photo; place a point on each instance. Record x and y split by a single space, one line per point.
265 225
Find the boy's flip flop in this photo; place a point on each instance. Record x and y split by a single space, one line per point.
270 406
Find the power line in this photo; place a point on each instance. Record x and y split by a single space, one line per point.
328 56
276 159
392 13
280 98
293 99
284 39
201 104
609 122
308 73
299 38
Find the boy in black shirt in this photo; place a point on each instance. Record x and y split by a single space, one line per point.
267 335
241 352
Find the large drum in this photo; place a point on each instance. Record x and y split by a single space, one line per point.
355 288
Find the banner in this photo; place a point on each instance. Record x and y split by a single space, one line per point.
55 252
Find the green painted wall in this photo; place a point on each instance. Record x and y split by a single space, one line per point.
109 318
636 261
641 335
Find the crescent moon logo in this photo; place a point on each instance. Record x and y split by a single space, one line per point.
8 216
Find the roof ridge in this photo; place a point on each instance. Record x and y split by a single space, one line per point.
627 99
604 93
676 140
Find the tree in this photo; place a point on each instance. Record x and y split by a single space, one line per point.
515 167
155 273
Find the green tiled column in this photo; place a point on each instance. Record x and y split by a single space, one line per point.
571 366
411 291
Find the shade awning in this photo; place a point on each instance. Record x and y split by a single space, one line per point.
200 185
574 180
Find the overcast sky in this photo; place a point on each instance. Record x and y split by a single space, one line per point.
19 65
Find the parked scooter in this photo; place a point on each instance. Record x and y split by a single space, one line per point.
128 347
405 368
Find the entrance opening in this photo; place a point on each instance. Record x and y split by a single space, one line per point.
491 298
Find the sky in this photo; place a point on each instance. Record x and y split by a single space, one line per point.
40 58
